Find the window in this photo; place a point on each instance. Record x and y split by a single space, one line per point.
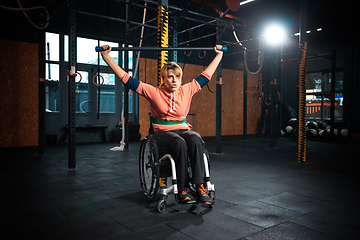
87 59
86 54
86 51
130 56
52 46
52 75
52 88
131 70
82 93
318 98
107 93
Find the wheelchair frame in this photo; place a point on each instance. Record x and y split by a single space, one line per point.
149 173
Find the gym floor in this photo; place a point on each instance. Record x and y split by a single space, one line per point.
261 193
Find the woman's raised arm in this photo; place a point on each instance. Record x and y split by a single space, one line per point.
119 72
210 70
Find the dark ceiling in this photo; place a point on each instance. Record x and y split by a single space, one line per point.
330 15
338 18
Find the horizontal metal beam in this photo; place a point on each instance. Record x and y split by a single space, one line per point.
196 39
99 49
114 19
201 25
147 22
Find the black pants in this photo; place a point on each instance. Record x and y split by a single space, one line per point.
181 144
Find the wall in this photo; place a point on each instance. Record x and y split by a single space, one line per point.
18 94
204 102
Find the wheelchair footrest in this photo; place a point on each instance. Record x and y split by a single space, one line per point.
200 208
185 202
196 208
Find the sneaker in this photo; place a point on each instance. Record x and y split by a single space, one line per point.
185 196
203 195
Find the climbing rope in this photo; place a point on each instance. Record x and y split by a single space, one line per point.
122 142
260 57
30 9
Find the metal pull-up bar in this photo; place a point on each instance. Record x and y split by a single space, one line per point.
99 49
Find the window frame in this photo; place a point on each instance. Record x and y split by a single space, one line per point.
119 89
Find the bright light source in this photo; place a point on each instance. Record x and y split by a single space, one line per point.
319 29
308 31
245 2
274 34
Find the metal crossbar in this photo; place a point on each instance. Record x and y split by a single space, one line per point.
99 49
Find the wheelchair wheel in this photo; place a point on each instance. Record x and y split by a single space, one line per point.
162 204
149 168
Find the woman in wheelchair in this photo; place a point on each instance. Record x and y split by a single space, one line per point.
169 106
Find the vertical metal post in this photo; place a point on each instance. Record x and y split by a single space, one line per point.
274 82
162 41
162 35
63 84
126 68
245 106
41 137
218 98
71 88
175 40
302 82
279 88
322 108
218 109
98 81
332 99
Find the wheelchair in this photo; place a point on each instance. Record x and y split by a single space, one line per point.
155 170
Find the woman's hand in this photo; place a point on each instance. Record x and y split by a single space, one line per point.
107 51
218 49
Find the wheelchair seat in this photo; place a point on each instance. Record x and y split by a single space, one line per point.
157 169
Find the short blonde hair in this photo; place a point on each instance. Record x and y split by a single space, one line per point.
170 65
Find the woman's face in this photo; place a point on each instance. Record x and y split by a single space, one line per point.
173 81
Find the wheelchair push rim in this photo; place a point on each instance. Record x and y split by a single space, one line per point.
149 168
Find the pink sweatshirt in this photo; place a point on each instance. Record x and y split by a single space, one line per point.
170 106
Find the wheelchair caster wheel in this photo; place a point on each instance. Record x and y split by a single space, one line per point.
212 197
161 206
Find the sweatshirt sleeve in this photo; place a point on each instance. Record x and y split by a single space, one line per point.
130 82
146 90
203 79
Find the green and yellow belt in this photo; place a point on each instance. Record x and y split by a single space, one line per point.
165 122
